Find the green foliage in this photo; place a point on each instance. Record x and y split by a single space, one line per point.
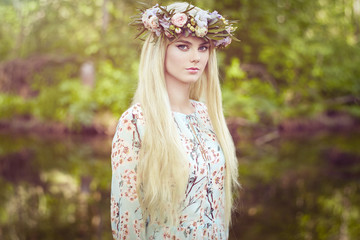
310 48
252 99
115 87
70 102
308 52
11 105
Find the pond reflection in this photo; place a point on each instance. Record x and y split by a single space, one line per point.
293 188
54 188
300 188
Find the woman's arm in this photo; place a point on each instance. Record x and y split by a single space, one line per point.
126 216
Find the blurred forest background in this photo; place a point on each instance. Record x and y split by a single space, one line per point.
291 93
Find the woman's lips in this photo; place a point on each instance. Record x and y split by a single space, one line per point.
193 70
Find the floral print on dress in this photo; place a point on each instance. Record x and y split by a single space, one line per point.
203 209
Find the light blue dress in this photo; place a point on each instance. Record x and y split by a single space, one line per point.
203 215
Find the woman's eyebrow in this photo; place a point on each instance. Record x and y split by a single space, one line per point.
183 41
187 42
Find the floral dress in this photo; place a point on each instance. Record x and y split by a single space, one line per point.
203 215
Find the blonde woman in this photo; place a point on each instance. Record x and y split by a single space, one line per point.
173 159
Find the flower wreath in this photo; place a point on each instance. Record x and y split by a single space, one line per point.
163 23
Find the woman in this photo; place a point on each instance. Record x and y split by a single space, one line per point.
173 159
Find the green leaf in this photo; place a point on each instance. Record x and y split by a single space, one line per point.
213 21
141 33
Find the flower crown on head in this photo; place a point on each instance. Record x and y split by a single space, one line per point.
163 23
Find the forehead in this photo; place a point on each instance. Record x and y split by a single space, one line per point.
192 40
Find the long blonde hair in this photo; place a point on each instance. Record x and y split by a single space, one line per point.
162 172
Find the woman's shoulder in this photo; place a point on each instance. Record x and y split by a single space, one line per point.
199 106
202 112
133 114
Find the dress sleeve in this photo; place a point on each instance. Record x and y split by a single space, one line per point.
126 216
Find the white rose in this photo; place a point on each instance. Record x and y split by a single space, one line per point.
201 31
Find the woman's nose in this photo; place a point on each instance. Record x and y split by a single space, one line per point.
195 57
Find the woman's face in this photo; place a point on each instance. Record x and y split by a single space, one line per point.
186 59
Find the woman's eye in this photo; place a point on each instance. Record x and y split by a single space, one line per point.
203 48
182 47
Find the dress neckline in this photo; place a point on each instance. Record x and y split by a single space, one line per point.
193 103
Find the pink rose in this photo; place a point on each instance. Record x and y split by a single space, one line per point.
179 19
153 23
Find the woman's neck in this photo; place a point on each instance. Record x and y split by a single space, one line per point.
179 97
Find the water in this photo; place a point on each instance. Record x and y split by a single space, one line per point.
293 188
